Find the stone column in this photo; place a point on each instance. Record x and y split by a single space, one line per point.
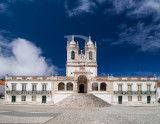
75 87
65 87
89 87
98 86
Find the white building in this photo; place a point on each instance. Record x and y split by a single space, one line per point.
158 90
81 77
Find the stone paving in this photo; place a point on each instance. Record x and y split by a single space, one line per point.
18 114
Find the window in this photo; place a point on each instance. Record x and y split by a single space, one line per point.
148 87
69 86
95 87
23 98
23 87
44 87
61 86
119 87
72 55
13 87
33 98
129 87
129 98
34 87
90 55
139 98
103 86
139 87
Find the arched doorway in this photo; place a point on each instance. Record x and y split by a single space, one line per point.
81 88
82 84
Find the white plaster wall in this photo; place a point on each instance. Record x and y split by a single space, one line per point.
135 98
59 97
134 85
28 88
70 70
105 97
29 85
158 93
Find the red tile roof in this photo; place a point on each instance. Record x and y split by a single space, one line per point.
158 84
2 82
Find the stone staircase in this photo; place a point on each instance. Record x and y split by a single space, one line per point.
83 100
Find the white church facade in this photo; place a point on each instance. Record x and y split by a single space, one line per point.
81 77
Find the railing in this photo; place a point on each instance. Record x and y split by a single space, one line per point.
28 92
134 92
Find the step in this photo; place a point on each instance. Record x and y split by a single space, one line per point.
83 100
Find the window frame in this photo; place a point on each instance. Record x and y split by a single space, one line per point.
90 55
34 87
14 87
44 87
72 55
130 98
24 87
139 98
23 98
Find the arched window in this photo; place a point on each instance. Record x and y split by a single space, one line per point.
90 55
72 55
103 87
69 86
61 86
95 87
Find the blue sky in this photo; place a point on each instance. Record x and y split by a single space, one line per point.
126 31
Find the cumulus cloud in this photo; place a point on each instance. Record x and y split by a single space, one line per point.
84 6
22 57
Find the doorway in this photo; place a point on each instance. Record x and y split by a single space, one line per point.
148 99
81 88
43 99
119 99
82 84
13 99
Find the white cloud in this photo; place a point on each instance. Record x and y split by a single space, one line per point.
147 37
3 8
84 6
23 58
121 5
5 5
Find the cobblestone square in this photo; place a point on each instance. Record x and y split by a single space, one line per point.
18 114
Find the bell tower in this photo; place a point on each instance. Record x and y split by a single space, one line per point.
86 59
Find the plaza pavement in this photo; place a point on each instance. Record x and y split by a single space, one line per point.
15 114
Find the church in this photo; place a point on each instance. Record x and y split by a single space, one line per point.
81 78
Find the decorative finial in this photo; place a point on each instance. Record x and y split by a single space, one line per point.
77 43
89 38
108 74
155 75
73 37
95 43
81 51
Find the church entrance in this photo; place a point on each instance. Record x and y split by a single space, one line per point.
81 88
82 84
